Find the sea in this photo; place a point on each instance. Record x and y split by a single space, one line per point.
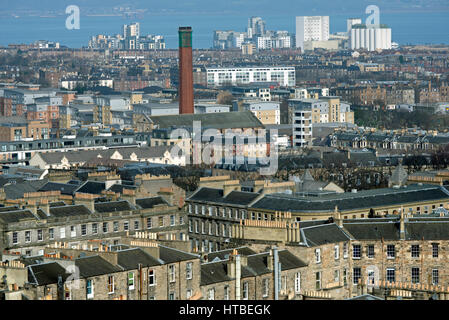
407 28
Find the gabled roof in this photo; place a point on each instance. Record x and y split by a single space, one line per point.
170 255
323 234
46 273
65 188
95 266
131 258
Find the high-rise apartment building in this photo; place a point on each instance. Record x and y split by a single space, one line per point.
311 28
256 27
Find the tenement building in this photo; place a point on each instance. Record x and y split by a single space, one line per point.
213 211
27 225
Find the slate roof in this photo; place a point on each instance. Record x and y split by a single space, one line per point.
216 195
65 188
429 230
351 201
16 216
130 259
46 273
69 211
92 187
118 188
373 230
16 191
214 272
222 120
323 234
113 206
224 254
148 203
170 255
94 266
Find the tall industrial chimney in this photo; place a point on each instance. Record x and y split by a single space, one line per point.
185 71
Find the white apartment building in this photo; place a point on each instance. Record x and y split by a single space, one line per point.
311 28
284 76
370 38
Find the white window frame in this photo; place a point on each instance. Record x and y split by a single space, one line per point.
189 270
297 282
172 273
130 286
151 275
90 295
318 255
337 252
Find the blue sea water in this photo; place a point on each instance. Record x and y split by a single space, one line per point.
407 28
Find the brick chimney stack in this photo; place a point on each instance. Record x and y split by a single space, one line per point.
185 71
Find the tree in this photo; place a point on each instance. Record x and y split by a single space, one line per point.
225 97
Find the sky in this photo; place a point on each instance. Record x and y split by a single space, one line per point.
251 7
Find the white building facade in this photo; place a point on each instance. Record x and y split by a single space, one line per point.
284 76
311 28
370 38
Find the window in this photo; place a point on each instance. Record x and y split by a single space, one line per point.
356 275
125 225
435 276
181 220
434 250
345 250
211 294
415 275
130 280
318 280
336 252
83 229
161 221
370 251
189 270
415 250
171 269
318 255
391 275
297 282
27 236
105 227
115 226
172 220
51 233
89 289
336 275
171 296
245 290
149 224
151 277
266 287
189 293
226 293
62 232
72 231
40 236
136 225
391 252
110 284
94 228
356 251
190 208
345 277
15 238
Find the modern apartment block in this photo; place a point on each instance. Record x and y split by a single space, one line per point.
311 28
283 76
